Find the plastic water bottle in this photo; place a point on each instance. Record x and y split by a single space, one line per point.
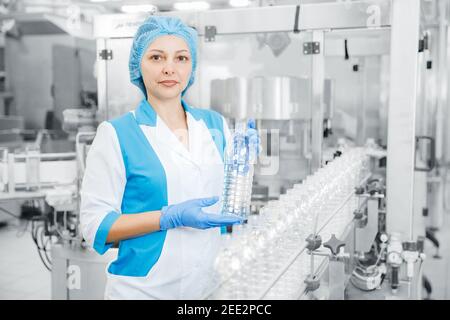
238 177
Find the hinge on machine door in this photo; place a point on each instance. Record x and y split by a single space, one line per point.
105 54
311 48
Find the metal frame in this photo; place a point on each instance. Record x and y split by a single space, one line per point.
435 111
11 166
402 117
102 85
446 113
317 106
443 80
313 16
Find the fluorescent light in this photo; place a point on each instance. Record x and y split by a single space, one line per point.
194 5
138 8
37 9
239 3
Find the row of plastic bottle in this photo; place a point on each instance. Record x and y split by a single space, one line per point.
254 253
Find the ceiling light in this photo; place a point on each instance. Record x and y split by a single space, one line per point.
138 8
194 5
37 9
239 3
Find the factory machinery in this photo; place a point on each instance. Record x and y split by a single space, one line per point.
351 179
278 254
47 186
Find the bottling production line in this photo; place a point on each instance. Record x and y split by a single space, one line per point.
351 104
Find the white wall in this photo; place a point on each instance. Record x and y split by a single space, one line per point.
29 66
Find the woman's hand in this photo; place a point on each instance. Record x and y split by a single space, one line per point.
190 214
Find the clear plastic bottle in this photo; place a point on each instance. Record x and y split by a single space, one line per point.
238 177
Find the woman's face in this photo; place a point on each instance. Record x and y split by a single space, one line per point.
166 67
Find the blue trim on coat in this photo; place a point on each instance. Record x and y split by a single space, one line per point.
100 244
145 190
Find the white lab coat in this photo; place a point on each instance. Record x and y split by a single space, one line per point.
182 257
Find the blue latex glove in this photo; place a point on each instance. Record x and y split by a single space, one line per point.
190 214
252 136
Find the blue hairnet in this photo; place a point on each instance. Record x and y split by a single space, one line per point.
152 28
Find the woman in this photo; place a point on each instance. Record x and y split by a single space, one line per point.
150 173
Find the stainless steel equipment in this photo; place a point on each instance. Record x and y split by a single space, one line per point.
79 273
281 107
241 76
265 98
55 179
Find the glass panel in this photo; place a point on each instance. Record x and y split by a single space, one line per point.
359 73
122 95
265 76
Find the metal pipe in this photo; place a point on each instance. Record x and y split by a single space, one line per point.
47 155
317 112
17 131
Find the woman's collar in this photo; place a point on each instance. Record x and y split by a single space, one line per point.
146 115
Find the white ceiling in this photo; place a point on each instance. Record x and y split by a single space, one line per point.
163 5
92 7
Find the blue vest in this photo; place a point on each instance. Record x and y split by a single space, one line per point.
146 186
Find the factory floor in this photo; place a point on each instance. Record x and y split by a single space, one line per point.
22 274
24 277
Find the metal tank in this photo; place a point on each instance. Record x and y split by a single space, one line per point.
281 107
